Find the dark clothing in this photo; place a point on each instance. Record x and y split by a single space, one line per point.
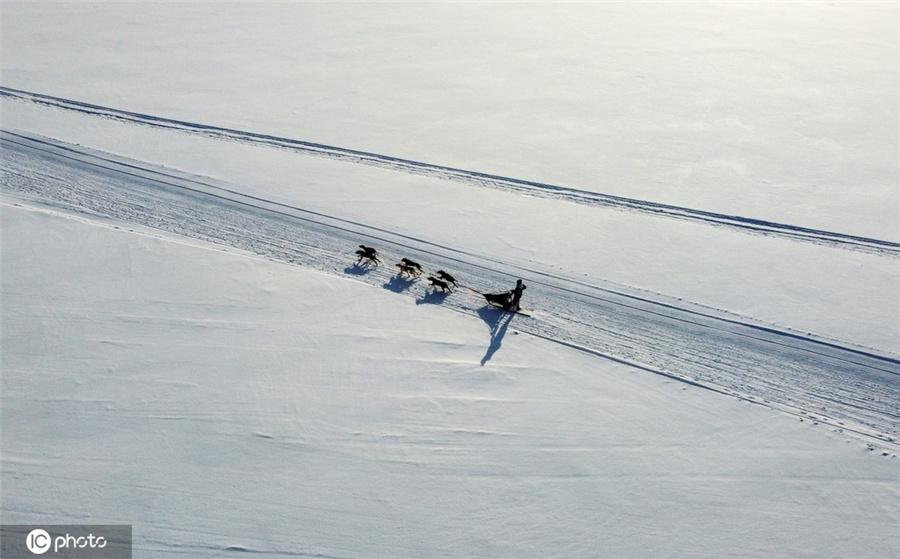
517 295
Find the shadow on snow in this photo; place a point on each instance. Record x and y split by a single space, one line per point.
498 321
398 284
358 269
432 298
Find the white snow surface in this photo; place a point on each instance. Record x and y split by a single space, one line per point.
185 348
847 295
226 404
778 110
786 112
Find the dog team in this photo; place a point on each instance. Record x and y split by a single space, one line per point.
408 268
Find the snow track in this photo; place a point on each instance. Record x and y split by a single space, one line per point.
848 388
533 188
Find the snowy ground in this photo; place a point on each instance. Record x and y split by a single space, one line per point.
222 403
794 285
186 347
724 106
849 388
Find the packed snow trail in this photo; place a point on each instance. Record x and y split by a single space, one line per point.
532 188
851 389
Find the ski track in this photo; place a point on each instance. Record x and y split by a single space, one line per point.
853 390
533 188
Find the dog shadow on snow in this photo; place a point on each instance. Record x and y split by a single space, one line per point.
498 321
433 297
398 284
358 269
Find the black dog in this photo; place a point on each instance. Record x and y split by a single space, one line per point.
436 283
412 264
447 277
407 270
367 253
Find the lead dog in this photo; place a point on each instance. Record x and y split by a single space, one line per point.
367 253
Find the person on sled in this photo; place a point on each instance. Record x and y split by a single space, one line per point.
517 295
507 300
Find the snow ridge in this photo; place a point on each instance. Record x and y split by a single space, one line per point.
533 188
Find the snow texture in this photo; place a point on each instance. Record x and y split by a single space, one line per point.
223 403
703 199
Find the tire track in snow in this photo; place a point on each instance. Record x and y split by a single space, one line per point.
850 389
533 188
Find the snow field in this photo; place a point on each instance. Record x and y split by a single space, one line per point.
221 402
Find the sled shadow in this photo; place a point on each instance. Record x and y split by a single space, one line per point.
498 321
432 298
358 269
398 284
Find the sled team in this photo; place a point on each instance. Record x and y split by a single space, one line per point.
507 300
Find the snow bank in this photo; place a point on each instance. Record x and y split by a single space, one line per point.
221 402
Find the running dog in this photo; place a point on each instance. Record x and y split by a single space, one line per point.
447 277
407 270
436 283
367 253
412 264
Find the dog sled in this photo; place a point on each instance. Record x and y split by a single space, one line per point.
507 300
504 301
446 283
